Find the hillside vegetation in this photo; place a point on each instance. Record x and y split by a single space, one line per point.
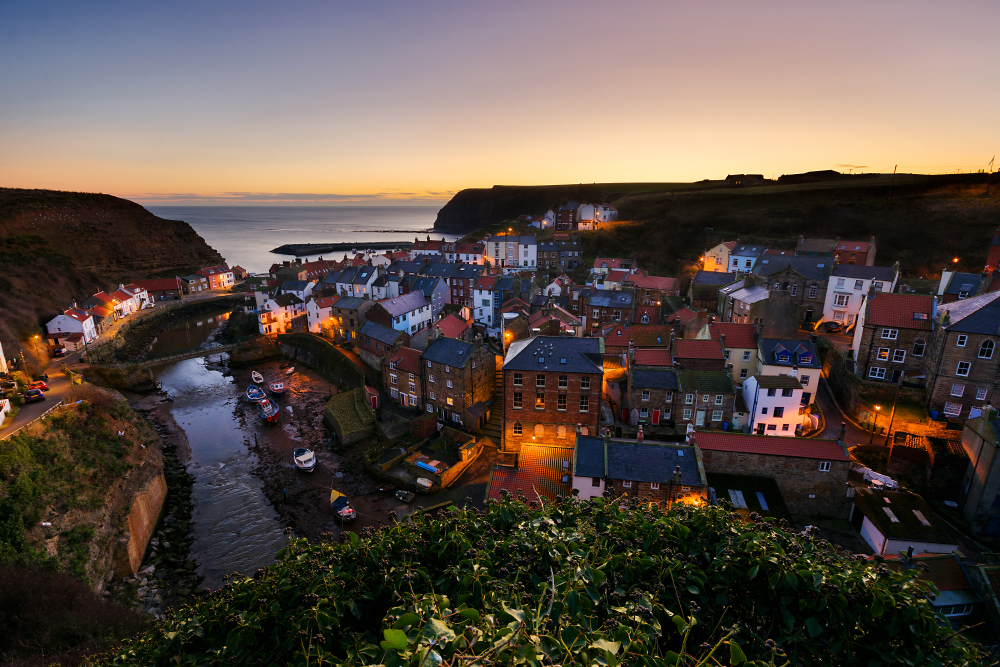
924 222
569 583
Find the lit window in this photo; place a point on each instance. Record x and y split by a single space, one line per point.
883 354
449 401
518 429
539 401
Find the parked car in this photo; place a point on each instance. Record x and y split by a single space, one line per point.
833 327
39 384
59 352
33 396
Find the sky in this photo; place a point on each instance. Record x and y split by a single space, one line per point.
380 102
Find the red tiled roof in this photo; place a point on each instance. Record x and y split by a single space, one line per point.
77 314
771 445
651 282
641 335
694 348
652 314
451 326
616 276
101 311
737 335
513 304
854 246
434 246
611 262
159 285
469 248
897 310
653 358
683 315
122 296
406 359
104 296
730 244
327 301
539 472
486 282
943 570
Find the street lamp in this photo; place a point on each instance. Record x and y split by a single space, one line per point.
874 425
37 349
915 375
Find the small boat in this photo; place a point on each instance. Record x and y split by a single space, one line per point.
290 370
277 388
424 482
304 458
255 393
268 410
405 496
341 506
257 377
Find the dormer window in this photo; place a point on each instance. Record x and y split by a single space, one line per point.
805 359
783 358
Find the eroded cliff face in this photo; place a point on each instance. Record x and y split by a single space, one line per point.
56 247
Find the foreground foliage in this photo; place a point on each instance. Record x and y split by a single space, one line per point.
569 583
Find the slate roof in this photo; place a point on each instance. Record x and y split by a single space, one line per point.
693 348
438 269
751 294
643 378
902 504
350 302
520 240
772 445
404 303
582 355
713 278
737 335
659 357
294 285
449 351
777 382
771 348
406 359
285 300
364 274
980 314
708 382
332 278
635 461
467 271
963 282
816 245
548 247
402 267
747 251
611 299
540 472
426 284
898 310
813 268
348 275
883 273
379 332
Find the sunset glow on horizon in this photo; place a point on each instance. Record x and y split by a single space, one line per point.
392 102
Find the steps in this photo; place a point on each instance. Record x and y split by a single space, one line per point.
494 427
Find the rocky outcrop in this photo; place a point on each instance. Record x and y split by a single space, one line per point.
474 208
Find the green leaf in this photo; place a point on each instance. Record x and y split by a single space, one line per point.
394 639
435 628
814 627
752 572
680 623
470 614
791 579
605 645
406 620
516 613
736 655
693 589
353 537
876 608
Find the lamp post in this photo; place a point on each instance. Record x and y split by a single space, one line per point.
38 350
916 375
871 440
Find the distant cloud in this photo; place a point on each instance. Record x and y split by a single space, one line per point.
383 198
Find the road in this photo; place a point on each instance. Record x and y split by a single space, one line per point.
834 418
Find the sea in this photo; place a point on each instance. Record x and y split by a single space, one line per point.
245 235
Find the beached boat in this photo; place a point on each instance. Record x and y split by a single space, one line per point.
304 458
268 410
341 506
257 377
290 370
255 393
277 388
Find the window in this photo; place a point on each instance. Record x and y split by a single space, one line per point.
858 284
812 292
432 396
876 372
841 299
795 290
772 392
986 349
746 355
449 401
561 405
779 412
395 393
449 384
957 390
704 399
786 393
517 400
585 383
428 364
898 356
804 380
518 428
645 319
627 484
392 365
840 283
540 381
918 347
717 415
585 404
539 401
890 334
953 409
597 314
689 399
644 412
962 340
645 394
411 376
981 393
518 380
430 408
743 373
963 368
784 427
447 368
824 466
883 354
878 286
763 411
718 399
595 481
392 379
618 316
654 486
413 387
668 397
687 413
772 427
430 378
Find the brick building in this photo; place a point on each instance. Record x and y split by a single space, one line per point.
567 216
375 341
570 250
893 335
706 398
651 390
962 365
459 378
699 354
804 278
551 386
402 377
650 290
609 306
663 473
347 315
861 253
811 473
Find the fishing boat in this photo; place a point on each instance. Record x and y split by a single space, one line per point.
290 370
257 377
277 388
304 459
341 506
268 410
255 393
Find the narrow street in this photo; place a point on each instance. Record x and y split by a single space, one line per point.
834 418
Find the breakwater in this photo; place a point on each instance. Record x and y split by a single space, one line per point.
305 249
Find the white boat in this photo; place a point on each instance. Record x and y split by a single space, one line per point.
257 377
277 388
290 370
305 459
424 482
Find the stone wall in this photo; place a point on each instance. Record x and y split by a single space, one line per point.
806 490
550 418
323 356
140 522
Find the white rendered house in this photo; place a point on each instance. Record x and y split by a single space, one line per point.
774 403
849 287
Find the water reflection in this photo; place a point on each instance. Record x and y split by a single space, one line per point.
234 527
188 333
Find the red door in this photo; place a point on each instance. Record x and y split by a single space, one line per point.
656 416
374 401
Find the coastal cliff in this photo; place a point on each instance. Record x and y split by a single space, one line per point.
59 246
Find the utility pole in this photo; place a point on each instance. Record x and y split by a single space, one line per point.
988 172
893 181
